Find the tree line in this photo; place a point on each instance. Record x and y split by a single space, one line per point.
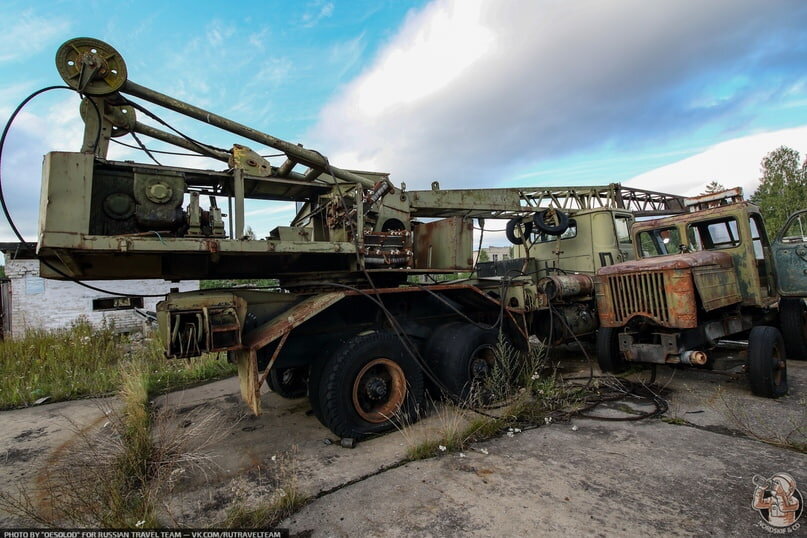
782 187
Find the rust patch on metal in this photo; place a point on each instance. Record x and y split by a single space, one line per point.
291 318
677 261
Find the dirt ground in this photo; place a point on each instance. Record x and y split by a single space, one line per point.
687 473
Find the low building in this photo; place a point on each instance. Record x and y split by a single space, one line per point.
495 254
32 302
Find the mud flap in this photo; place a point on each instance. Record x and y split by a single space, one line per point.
247 362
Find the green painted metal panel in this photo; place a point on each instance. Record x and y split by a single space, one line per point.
790 256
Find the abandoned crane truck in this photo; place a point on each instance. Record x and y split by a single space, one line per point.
705 276
345 325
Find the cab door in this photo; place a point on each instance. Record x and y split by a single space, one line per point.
790 256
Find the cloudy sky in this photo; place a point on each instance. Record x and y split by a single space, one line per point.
665 95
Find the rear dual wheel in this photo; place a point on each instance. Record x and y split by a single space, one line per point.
288 383
462 355
367 386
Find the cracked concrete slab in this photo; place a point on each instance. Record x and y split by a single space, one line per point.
604 477
581 478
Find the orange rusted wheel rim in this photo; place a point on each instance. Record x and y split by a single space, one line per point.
379 390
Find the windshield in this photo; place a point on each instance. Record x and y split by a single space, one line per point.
659 242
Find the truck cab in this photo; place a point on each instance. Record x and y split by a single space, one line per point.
595 238
700 277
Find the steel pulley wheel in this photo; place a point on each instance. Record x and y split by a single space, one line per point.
367 386
767 368
551 221
91 66
524 228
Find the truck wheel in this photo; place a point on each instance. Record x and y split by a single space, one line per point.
609 357
793 317
767 369
369 381
461 354
314 377
551 221
510 231
288 383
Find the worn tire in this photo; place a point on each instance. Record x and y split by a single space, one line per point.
510 231
609 357
767 369
459 353
540 222
288 383
368 369
315 376
793 318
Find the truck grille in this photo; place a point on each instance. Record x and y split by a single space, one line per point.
639 293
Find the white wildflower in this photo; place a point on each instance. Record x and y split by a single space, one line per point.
274 458
517 430
462 455
535 377
484 451
547 420
140 523
442 448
574 428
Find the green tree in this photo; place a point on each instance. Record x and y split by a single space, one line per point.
782 187
483 256
713 187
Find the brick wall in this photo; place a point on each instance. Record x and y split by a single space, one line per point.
39 303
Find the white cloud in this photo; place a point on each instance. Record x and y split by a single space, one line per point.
732 163
28 34
318 11
472 92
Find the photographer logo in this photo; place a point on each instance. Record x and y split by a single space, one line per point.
778 502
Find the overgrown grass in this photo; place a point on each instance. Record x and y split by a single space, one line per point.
117 476
522 390
266 515
792 435
83 360
265 507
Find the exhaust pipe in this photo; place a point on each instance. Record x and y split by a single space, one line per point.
694 358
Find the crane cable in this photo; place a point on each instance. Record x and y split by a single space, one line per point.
7 213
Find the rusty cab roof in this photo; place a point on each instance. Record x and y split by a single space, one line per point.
671 261
729 210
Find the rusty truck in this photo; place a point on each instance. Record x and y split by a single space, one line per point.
702 277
